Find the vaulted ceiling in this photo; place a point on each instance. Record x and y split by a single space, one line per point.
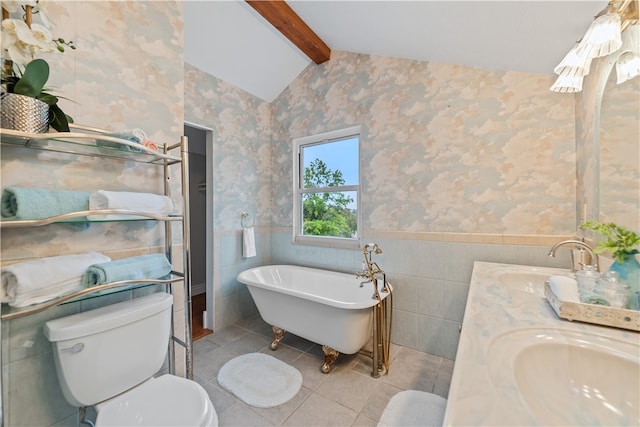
232 41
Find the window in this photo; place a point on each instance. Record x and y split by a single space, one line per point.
327 188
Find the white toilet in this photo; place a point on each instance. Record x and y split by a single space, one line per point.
107 358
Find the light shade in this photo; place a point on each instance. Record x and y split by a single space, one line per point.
575 63
602 37
627 67
567 84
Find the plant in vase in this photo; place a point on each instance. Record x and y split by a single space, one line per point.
623 245
22 75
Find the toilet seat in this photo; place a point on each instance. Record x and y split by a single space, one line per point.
164 401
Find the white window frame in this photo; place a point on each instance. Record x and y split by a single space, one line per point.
298 190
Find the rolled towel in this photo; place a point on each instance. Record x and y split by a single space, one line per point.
153 266
39 280
38 203
134 135
142 202
565 288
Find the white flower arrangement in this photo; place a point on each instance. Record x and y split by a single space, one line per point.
22 40
22 43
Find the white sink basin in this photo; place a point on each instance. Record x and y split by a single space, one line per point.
566 377
530 280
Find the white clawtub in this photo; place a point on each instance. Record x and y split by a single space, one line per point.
325 307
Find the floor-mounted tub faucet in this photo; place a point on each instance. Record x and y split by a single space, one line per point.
581 247
382 315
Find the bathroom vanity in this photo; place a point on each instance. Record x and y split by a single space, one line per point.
519 364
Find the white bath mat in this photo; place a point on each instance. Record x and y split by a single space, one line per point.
260 380
414 408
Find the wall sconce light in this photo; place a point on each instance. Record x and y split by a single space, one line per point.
576 63
567 84
602 38
627 67
603 35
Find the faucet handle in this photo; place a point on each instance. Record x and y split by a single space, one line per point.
582 258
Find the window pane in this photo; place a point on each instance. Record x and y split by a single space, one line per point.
331 164
330 214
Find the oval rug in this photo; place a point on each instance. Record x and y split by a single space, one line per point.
260 380
413 408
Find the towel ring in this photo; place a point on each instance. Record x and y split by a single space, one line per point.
245 220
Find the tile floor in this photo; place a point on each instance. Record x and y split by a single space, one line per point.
348 396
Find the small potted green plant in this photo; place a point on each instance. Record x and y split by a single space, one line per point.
23 76
621 242
623 245
32 84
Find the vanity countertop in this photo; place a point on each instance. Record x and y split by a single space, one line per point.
494 309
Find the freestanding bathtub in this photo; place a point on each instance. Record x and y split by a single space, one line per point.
325 307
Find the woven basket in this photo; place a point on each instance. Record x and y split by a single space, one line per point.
23 113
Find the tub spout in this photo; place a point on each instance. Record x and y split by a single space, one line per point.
364 283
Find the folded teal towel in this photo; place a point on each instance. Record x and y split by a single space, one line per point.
153 266
38 203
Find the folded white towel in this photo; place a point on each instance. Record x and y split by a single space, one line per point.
39 280
565 288
248 242
141 202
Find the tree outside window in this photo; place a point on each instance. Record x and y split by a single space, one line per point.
327 213
327 186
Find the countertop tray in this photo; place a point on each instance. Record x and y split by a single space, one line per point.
591 313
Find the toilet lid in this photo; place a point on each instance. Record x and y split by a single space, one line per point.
164 401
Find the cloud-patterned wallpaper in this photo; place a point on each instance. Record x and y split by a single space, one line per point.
125 73
241 128
445 148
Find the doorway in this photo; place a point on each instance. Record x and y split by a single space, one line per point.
201 230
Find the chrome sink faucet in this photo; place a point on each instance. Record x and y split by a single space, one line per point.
580 247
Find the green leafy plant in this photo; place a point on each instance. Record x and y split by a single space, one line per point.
32 84
326 214
21 40
620 241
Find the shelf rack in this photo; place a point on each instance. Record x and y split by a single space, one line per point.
87 141
93 142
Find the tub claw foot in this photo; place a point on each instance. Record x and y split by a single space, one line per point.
278 334
330 356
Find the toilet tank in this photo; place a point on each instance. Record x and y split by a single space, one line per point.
103 352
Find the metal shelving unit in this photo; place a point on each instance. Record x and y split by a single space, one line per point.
89 141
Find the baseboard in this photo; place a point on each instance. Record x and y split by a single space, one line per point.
200 288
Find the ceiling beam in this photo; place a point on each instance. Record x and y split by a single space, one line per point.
282 17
